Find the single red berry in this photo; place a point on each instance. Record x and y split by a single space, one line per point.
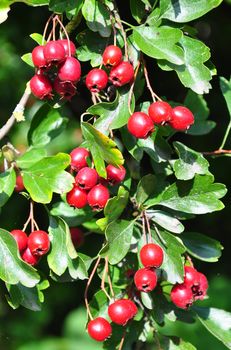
65 89
29 258
96 80
41 87
64 43
140 125
191 277
19 186
86 178
99 329
54 52
201 290
77 197
121 74
21 239
181 118
77 236
112 56
114 174
70 70
160 112
151 255
79 157
182 296
121 311
38 57
39 242
98 196
145 280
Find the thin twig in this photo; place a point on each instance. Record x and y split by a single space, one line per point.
153 94
159 235
144 228
132 87
87 287
105 272
148 226
122 341
217 152
109 279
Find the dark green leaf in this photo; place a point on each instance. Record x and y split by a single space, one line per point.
99 303
7 183
156 147
137 9
60 6
30 157
226 91
149 186
97 17
166 220
175 343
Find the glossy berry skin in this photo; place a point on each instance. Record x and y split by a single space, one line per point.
96 80
160 112
21 239
98 196
145 280
79 157
99 329
191 277
64 43
121 311
38 58
39 242
41 87
19 186
115 175
65 89
86 178
181 118
29 258
181 296
140 125
112 56
122 74
54 52
70 70
201 291
77 236
77 197
151 255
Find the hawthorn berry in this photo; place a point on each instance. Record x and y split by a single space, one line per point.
19 186
160 112
122 74
145 280
98 196
121 311
77 236
86 178
39 242
181 118
70 70
99 329
21 239
96 80
181 296
77 197
115 175
38 58
201 290
79 157
140 125
65 89
29 258
54 52
64 43
41 87
151 255
191 277
112 56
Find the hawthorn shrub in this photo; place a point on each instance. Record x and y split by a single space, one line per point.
130 180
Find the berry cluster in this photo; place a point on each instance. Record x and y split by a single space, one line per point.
89 188
32 247
194 287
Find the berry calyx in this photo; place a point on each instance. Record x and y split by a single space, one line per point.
86 178
29 258
21 239
39 242
140 125
98 196
38 57
191 277
77 197
160 112
65 89
182 296
122 74
64 43
181 118
96 80
121 311
79 157
201 290
77 236
115 175
41 87
54 52
70 70
112 56
145 280
99 329
19 186
151 255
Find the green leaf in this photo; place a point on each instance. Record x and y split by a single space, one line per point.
60 6
102 149
217 322
149 186
160 43
166 220
175 343
226 91
186 10
147 300
202 247
156 147
30 157
97 17
99 303
48 176
137 9
7 183
13 270
27 58
38 38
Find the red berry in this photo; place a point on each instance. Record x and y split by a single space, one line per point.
39 242
140 125
191 277
21 239
38 57
121 74
98 196
77 236
64 43
99 329
201 290
28 257
96 80
181 118
65 89
70 70
112 56
121 311
145 280
151 255
79 157
41 87
54 52
114 174
160 112
77 197
19 186
182 296
86 178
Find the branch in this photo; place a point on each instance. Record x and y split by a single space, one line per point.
217 152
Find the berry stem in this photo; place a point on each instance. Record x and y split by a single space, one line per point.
132 87
159 235
66 34
109 279
46 27
122 341
188 258
105 272
144 228
148 226
153 94
88 285
31 219
120 25
217 152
